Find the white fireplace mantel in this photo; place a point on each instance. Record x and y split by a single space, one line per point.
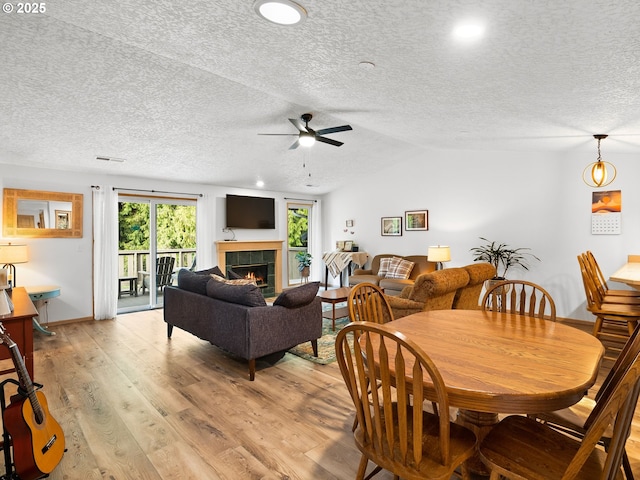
222 247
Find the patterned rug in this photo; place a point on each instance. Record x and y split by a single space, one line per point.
326 343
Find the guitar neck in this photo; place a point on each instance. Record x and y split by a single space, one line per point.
25 381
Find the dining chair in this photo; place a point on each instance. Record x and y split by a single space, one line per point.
520 297
393 431
571 420
614 322
522 448
600 280
607 295
367 303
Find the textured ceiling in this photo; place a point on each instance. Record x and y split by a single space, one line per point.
181 89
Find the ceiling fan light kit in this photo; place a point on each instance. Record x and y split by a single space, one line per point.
281 12
306 139
599 173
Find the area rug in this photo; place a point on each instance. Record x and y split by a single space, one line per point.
326 343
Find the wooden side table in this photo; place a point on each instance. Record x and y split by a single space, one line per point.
337 295
133 286
19 327
39 296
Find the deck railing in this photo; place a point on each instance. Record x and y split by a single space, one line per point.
132 262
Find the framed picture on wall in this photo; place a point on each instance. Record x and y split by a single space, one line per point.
391 226
416 220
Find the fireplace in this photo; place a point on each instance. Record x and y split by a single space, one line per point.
236 255
258 272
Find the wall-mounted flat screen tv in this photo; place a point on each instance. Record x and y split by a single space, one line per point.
250 212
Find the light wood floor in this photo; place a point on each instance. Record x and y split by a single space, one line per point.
134 405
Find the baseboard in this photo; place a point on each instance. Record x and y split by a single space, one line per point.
574 322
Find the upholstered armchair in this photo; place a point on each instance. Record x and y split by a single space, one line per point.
468 297
431 291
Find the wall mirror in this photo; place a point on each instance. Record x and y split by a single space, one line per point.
34 213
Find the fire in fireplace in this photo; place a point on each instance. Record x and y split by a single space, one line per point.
258 272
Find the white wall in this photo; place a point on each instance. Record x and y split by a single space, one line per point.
68 262
535 200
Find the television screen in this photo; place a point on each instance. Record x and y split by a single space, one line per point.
250 212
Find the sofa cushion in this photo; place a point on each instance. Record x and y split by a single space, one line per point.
248 294
298 296
384 266
192 281
399 268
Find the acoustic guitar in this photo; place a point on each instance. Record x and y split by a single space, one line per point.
37 439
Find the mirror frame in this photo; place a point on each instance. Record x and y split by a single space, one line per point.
10 214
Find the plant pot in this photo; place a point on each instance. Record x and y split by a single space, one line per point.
488 284
304 273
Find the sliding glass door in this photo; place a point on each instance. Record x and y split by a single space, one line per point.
157 237
298 241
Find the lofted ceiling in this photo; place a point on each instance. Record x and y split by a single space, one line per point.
181 89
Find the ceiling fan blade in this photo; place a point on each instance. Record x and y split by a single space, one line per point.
330 141
287 134
298 124
295 145
343 128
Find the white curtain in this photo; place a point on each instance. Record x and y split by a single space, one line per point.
317 266
205 226
105 253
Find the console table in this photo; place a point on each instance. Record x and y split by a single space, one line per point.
337 262
39 295
18 326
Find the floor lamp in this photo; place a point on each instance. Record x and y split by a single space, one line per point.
10 255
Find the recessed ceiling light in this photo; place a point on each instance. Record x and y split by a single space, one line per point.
468 31
367 65
282 12
259 183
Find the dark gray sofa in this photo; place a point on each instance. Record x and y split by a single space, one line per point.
250 332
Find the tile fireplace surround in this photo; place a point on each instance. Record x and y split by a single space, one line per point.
223 247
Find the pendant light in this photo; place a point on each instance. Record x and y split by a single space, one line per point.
599 173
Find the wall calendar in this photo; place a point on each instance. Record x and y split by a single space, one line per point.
606 213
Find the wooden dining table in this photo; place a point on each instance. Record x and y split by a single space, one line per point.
499 363
629 273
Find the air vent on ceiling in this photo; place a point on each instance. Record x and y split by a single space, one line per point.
109 159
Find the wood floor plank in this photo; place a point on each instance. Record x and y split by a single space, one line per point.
136 405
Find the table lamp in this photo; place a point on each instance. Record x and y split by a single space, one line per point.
6 306
439 254
11 254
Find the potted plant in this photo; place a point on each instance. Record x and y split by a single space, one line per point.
503 257
304 262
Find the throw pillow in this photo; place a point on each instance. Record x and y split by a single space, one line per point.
215 270
233 275
384 266
399 268
298 296
248 294
193 282
235 281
